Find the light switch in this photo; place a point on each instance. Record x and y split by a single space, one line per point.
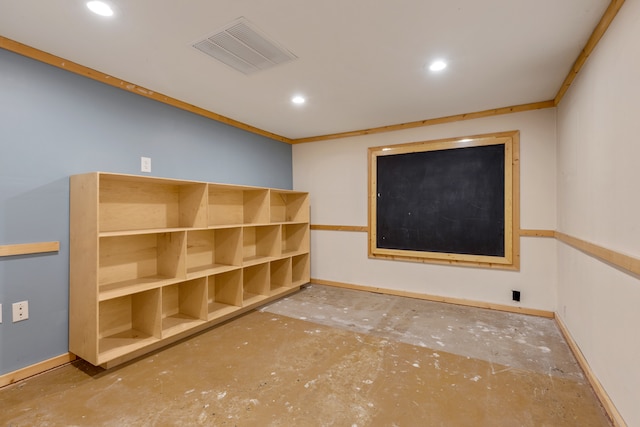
145 164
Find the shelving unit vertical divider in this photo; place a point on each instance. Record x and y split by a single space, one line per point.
84 329
146 311
193 201
171 254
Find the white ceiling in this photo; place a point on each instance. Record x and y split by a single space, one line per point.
361 62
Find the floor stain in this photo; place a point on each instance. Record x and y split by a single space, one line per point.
329 357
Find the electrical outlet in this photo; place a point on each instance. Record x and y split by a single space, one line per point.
145 164
20 311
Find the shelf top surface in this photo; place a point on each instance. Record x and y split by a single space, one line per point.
176 181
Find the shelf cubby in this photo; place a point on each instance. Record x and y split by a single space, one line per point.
280 275
133 263
289 206
229 205
300 269
260 243
224 293
128 323
146 203
213 251
184 305
255 283
295 238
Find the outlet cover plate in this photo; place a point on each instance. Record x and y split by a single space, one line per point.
20 311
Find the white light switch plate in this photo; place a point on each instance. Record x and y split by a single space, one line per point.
145 164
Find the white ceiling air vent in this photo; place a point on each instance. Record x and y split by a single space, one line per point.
241 46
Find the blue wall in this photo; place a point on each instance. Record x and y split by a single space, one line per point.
54 124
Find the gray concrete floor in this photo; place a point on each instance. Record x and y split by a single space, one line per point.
330 357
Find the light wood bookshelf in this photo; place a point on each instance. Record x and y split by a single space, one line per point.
153 260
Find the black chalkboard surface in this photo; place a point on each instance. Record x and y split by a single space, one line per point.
449 201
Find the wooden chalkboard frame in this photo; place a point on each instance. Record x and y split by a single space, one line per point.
511 258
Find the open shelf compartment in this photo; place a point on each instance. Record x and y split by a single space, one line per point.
184 305
138 203
134 263
295 238
213 251
128 323
289 206
280 275
255 284
261 244
300 269
229 205
224 293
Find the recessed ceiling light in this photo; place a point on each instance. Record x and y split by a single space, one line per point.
438 65
298 99
100 8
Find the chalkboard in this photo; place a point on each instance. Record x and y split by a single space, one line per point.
450 201
442 201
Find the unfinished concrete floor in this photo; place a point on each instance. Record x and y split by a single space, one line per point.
330 357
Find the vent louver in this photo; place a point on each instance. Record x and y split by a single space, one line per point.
241 46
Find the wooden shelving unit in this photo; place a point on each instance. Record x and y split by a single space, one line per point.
154 260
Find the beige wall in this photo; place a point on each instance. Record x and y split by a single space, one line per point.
335 173
599 201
